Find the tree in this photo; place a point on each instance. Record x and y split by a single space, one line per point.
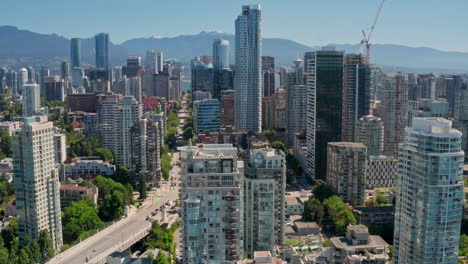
122 175
279 145
112 206
188 133
313 211
268 134
463 246
3 252
322 191
45 243
104 154
142 186
166 166
5 144
337 213
160 258
78 218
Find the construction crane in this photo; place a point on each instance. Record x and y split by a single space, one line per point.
365 42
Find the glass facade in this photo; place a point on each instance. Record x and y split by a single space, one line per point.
102 50
207 116
430 193
75 52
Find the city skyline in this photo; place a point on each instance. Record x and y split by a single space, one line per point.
396 25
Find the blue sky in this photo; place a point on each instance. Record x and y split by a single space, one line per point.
441 24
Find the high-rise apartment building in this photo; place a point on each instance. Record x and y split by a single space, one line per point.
202 76
102 50
381 172
296 93
212 204
160 60
54 88
145 150
65 70
60 148
394 113
324 81
248 77
227 103
31 99
43 74
265 183
346 170
356 93
75 52
370 132
206 116
129 111
429 199
268 72
107 120
36 182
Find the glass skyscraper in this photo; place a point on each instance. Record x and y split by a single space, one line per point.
429 197
248 77
324 81
75 52
102 50
220 54
207 116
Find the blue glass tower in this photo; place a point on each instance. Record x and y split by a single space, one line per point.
207 116
220 54
75 52
102 50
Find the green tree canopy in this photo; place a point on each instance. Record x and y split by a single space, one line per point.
313 211
322 191
337 213
79 218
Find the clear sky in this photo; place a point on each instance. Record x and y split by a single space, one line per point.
441 24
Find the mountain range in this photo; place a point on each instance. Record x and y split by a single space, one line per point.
22 47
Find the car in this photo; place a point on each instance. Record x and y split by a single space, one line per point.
94 250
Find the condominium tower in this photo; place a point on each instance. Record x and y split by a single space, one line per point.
370 132
36 181
31 99
346 170
248 77
265 182
430 195
212 204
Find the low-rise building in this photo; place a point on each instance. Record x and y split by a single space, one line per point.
304 228
263 257
294 206
10 126
358 246
375 215
70 193
6 166
88 168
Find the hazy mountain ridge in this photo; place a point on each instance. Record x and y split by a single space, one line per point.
22 47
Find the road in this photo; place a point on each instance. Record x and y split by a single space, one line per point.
101 242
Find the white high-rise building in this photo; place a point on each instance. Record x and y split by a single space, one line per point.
212 204
23 77
248 77
129 111
429 199
36 181
381 172
135 89
107 120
60 148
31 99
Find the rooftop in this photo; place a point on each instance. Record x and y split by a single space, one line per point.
347 144
74 187
306 224
343 242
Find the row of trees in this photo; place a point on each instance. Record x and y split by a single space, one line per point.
33 251
292 162
327 208
170 136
